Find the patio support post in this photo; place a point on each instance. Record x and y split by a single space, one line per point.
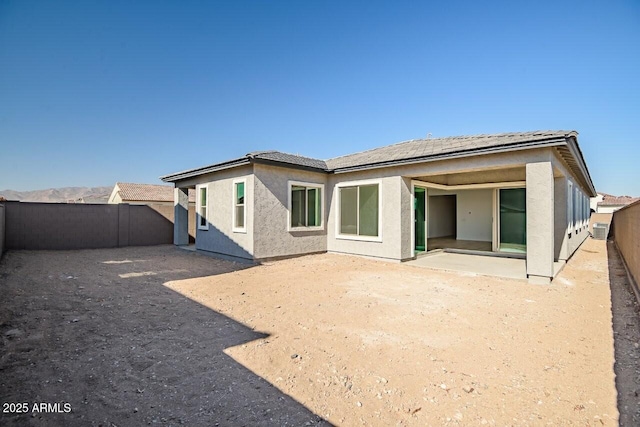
540 221
181 216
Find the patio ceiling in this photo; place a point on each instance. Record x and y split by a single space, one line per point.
477 177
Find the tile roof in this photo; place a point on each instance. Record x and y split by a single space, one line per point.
292 159
609 200
415 150
148 192
435 147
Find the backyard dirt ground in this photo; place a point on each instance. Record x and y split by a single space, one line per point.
158 335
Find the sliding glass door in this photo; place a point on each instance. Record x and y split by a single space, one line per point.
513 220
419 203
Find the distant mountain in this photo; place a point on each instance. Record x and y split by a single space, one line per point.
61 195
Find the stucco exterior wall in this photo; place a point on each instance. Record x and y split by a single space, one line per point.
474 215
267 234
271 204
626 229
608 209
560 233
392 190
441 215
566 241
396 216
220 236
540 221
406 219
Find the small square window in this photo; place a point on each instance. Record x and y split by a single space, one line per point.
305 205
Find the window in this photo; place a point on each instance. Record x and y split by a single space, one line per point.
359 211
587 212
570 207
203 224
305 205
576 209
581 210
239 206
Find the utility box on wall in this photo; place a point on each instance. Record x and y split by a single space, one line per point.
600 230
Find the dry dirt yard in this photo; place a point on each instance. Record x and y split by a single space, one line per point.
158 335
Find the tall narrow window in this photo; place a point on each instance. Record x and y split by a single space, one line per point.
581 199
203 224
359 210
305 205
576 209
570 207
239 206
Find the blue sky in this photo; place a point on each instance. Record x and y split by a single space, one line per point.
94 92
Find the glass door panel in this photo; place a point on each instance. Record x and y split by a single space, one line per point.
513 220
420 219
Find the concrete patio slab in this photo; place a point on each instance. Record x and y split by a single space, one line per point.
510 268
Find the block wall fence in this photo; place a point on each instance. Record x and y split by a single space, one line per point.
626 234
54 226
1 229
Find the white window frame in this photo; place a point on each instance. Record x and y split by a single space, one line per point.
235 229
570 207
337 188
307 185
581 210
199 206
575 207
586 211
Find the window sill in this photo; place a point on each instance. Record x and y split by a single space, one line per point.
302 229
359 238
203 228
239 230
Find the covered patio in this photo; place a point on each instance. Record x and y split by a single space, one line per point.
484 265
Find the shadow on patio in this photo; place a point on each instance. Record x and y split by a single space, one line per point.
98 330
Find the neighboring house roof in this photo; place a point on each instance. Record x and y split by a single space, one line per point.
148 192
413 151
609 200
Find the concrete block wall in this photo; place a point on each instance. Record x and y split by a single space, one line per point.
626 234
82 226
2 233
148 227
167 211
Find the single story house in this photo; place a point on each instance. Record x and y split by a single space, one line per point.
525 194
606 203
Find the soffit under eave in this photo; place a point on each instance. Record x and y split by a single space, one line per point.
571 163
191 182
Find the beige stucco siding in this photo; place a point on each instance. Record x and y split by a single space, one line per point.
397 203
272 237
220 237
392 193
473 215
566 241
